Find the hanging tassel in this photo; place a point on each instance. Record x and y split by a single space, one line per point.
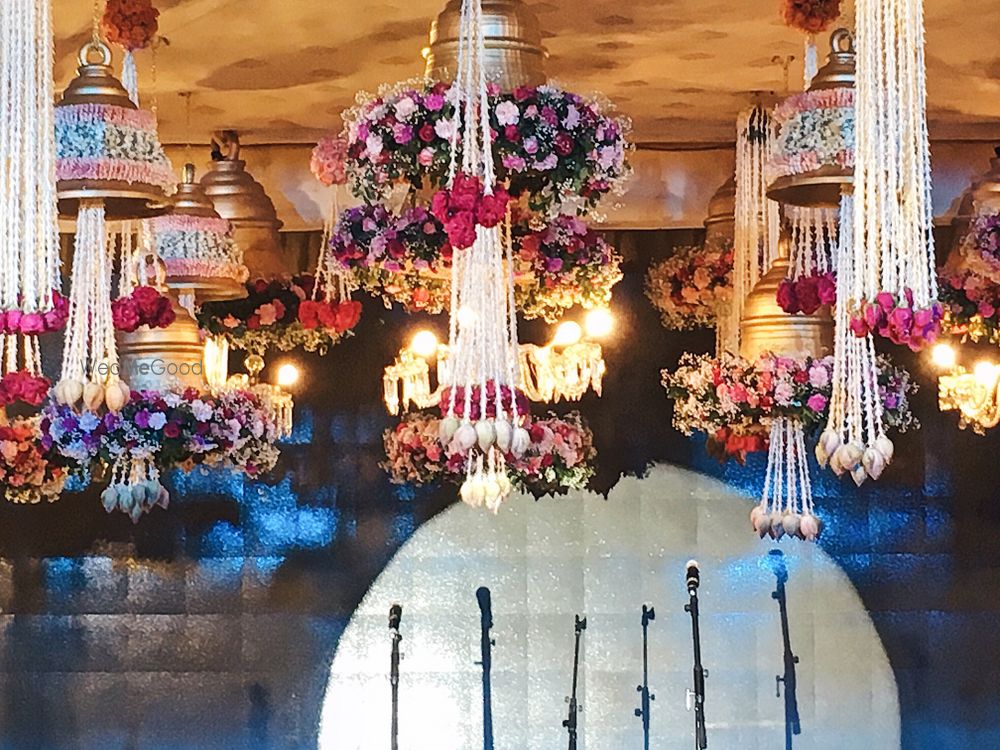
811 58
786 505
130 77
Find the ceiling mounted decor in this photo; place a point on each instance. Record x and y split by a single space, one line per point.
513 54
197 247
132 25
556 154
242 201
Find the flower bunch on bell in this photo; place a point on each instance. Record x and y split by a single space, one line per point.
465 205
144 306
807 294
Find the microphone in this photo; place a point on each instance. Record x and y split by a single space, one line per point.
485 604
693 576
395 615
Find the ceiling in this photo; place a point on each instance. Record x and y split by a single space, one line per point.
281 71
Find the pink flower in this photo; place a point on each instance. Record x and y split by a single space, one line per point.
426 157
816 402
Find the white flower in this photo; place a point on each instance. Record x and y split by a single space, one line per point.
374 145
572 118
508 113
202 411
444 129
405 107
156 421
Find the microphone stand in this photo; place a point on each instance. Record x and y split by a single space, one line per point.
792 723
570 722
486 648
696 697
395 614
648 614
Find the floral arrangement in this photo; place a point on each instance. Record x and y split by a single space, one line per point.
559 457
690 286
22 386
272 316
553 147
971 306
557 149
16 321
328 162
130 23
730 398
737 443
465 205
197 246
980 248
29 472
164 430
810 16
566 263
898 320
107 142
807 294
816 130
145 306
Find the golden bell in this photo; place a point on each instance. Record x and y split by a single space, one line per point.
720 223
514 55
823 186
191 200
765 327
238 197
163 358
95 83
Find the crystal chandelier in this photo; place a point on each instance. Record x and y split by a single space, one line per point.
565 369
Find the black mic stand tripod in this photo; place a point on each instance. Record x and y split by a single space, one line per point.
645 697
395 615
574 709
696 696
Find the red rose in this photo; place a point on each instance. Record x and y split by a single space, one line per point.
125 314
807 292
826 286
32 323
253 322
426 132
512 134
492 208
171 430
346 315
309 314
147 299
564 144
787 300
461 230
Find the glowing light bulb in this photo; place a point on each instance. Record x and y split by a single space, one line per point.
568 333
288 375
599 323
985 372
943 356
424 344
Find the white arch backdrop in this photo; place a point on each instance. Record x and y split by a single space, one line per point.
545 561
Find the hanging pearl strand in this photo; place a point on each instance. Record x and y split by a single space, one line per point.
482 335
893 223
813 235
854 440
757 218
786 505
90 356
29 240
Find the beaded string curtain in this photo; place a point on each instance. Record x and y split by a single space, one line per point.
29 231
482 337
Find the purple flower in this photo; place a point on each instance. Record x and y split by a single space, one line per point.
402 134
142 419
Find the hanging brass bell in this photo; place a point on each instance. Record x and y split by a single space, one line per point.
765 327
238 197
514 55
822 186
191 200
96 84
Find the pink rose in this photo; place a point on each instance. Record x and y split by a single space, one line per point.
816 402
